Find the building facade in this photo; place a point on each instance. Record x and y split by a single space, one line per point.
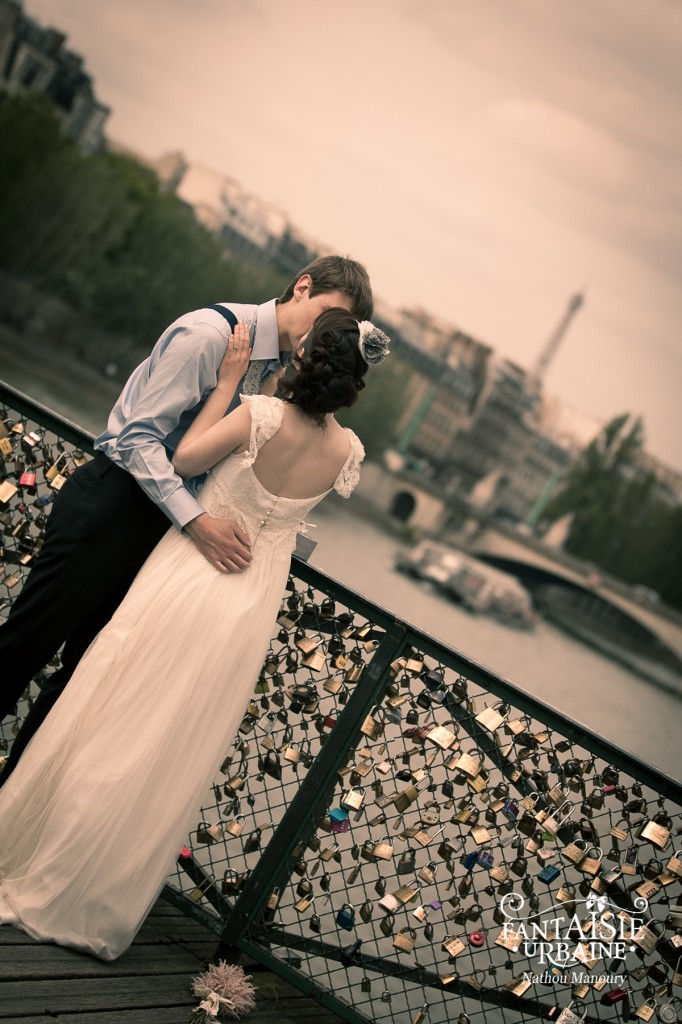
34 59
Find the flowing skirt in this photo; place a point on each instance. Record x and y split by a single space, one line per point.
93 817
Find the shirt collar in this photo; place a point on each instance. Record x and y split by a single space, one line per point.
266 341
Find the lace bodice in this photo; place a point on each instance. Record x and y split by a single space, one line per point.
233 491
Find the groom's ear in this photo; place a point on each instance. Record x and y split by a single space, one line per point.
302 287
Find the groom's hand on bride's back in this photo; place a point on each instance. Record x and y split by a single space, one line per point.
221 542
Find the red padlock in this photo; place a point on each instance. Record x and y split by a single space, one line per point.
329 722
27 478
615 995
477 939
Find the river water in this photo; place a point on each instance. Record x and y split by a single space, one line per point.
548 663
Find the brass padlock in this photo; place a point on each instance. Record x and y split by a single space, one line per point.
452 946
657 830
236 826
646 938
591 865
383 850
469 763
353 799
492 718
405 940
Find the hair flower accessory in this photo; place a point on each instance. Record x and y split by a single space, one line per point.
373 343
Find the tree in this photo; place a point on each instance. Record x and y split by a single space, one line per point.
620 520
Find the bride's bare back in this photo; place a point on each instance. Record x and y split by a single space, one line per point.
302 459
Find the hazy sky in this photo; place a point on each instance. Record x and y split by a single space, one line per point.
483 158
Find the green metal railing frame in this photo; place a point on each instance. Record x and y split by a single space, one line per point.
238 921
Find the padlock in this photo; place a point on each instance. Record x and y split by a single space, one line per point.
657 830
366 910
549 873
518 986
674 864
383 850
590 864
273 900
647 936
386 924
509 939
441 736
677 973
405 893
476 980
420 1015
469 763
652 869
236 826
346 917
477 939
569 1016
629 865
253 841
452 946
405 798
519 866
406 862
613 996
491 718
566 896
329 853
353 799
486 858
232 882
405 940
667 1012
575 851
526 824
553 822
511 810
374 723
208 833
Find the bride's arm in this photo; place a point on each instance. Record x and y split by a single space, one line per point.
213 435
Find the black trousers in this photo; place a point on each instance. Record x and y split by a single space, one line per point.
100 531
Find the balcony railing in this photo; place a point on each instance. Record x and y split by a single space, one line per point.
399 831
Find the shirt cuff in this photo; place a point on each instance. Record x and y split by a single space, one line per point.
181 508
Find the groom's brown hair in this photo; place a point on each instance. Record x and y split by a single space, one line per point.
337 274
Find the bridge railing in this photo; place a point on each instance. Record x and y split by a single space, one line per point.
399 831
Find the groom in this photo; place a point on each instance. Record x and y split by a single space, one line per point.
112 511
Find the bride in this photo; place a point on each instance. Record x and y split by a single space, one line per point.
104 795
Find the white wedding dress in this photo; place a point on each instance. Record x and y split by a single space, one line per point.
94 815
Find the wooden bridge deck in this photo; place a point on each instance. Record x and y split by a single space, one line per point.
150 984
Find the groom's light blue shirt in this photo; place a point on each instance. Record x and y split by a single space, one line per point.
165 393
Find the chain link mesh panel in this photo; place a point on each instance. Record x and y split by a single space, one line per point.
401 832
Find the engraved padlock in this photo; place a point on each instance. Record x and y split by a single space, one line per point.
657 830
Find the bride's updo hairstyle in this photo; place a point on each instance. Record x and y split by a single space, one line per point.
329 372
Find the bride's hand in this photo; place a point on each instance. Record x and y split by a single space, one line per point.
236 359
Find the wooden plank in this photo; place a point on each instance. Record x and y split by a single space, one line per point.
34 962
80 994
151 1015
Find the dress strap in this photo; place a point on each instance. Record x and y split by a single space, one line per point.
266 419
349 476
